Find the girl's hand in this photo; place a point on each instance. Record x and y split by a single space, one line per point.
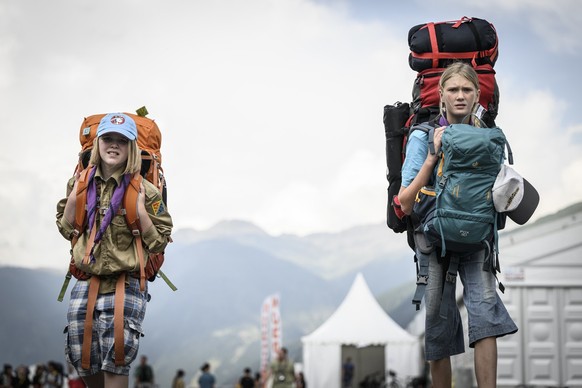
141 198
437 141
144 217
70 206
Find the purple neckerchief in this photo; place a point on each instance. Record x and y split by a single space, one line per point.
113 208
443 121
91 198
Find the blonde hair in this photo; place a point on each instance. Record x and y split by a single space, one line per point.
457 68
133 163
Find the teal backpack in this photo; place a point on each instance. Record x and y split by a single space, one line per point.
464 216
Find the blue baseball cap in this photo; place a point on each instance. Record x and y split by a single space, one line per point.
117 123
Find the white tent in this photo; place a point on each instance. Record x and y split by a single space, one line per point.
359 323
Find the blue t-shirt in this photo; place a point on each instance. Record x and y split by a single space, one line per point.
206 380
416 150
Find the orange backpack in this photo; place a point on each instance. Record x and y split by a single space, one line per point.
149 141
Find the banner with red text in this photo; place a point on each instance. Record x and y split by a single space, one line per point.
271 330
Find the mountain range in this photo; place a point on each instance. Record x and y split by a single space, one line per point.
223 274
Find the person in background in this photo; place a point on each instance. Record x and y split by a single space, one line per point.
144 374
54 376
282 371
39 377
7 377
258 380
246 381
178 381
300 381
75 381
22 380
206 379
348 369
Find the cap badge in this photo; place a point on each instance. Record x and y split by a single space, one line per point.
117 120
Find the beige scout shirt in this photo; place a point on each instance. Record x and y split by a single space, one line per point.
283 374
116 252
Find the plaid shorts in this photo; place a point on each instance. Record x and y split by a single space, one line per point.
102 344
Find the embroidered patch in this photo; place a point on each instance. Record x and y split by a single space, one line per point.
117 120
158 207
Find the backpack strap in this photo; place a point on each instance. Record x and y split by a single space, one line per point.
421 258
153 173
65 285
493 264
88 327
421 278
81 204
449 286
79 222
427 127
509 152
90 242
431 141
132 220
118 321
424 127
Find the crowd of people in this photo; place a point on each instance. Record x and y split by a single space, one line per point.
49 375
56 375
144 376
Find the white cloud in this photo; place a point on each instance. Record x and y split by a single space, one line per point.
356 189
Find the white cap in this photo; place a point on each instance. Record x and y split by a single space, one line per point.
507 189
514 195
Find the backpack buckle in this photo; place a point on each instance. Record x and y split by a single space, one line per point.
422 279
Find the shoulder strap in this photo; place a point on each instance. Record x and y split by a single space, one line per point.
130 203
81 203
78 223
509 152
424 127
132 220
427 127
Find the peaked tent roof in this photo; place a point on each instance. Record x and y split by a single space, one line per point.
360 321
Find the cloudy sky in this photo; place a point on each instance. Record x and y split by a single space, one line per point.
271 110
